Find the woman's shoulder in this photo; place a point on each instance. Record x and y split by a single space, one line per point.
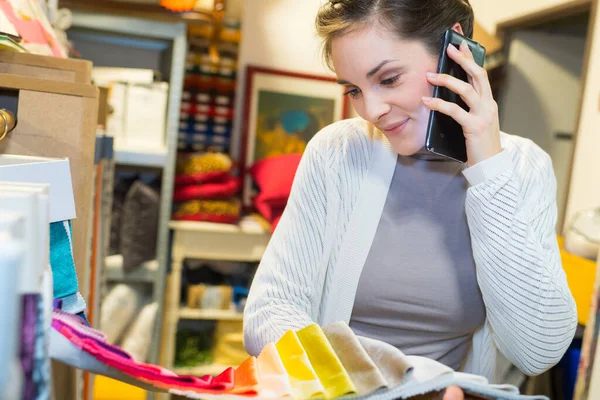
527 156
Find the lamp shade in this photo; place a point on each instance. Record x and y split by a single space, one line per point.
178 5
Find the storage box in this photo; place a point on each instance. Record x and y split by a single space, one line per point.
55 172
138 117
56 119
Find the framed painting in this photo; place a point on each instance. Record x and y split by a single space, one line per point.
283 111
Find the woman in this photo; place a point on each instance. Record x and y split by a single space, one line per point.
448 261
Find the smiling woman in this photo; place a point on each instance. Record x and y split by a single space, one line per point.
444 260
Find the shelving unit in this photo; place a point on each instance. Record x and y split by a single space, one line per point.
118 41
245 242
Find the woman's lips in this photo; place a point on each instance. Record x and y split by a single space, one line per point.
395 129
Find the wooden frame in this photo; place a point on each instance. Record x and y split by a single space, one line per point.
281 83
543 16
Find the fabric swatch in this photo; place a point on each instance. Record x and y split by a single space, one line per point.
303 377
93 342
327 365
61 260
362 370
274 380
246 378
392 363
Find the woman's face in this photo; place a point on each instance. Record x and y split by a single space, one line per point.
385 78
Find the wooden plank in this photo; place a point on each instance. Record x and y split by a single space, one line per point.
10 81
46 67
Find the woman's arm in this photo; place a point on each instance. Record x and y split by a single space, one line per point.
511 211
281 295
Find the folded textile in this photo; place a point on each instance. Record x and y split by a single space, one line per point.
274 380
303 377
246 378
61 260
392 363
213 191
362 370
93 342
201 177
327 365
73 304
224 211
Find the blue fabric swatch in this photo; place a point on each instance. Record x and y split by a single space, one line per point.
61 260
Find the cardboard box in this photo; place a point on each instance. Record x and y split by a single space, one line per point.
40 170
58 120
42 67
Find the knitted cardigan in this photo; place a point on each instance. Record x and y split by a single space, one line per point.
312 265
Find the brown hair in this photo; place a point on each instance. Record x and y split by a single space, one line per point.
424 20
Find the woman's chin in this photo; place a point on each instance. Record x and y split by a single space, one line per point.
406 147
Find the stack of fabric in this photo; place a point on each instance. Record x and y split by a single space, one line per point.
309 363
209 90
205 190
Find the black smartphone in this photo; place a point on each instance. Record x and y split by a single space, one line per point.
444 135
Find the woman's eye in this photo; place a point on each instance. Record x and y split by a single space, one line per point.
352 93
390 81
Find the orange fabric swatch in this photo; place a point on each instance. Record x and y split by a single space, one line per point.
246 378
274 380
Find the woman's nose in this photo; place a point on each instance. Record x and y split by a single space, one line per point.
375 107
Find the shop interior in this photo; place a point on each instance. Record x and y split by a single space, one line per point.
181 153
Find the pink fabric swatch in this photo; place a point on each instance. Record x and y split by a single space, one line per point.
94 343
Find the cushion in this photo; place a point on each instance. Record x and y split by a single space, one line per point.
225 211
275 175
139 225
220 190
201 177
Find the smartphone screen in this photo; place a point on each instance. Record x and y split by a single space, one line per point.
445 135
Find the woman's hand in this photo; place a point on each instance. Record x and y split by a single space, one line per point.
453 393
480 125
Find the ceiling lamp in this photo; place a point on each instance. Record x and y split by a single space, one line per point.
178 5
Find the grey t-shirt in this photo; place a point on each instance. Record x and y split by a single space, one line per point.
418 290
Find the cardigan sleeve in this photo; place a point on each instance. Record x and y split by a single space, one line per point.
511 211
281 295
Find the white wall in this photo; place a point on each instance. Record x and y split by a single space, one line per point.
277 34
584 192
533 108
490 12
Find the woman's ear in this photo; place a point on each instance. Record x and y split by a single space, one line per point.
458 28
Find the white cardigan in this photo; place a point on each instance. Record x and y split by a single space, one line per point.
312 265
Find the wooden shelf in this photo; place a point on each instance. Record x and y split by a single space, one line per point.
144 273
153 159
201 370
244 242
220 315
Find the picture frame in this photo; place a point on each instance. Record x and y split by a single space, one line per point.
283 110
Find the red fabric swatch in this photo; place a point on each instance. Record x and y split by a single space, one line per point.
195 179
219 190
155 375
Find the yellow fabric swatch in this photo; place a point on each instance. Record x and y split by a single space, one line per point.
303 378
274 380
332 374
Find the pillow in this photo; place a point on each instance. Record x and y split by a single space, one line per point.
275 175
139 225
201 177
225 211
270 209
202 163
221 190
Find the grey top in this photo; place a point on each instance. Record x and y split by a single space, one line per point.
418 290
